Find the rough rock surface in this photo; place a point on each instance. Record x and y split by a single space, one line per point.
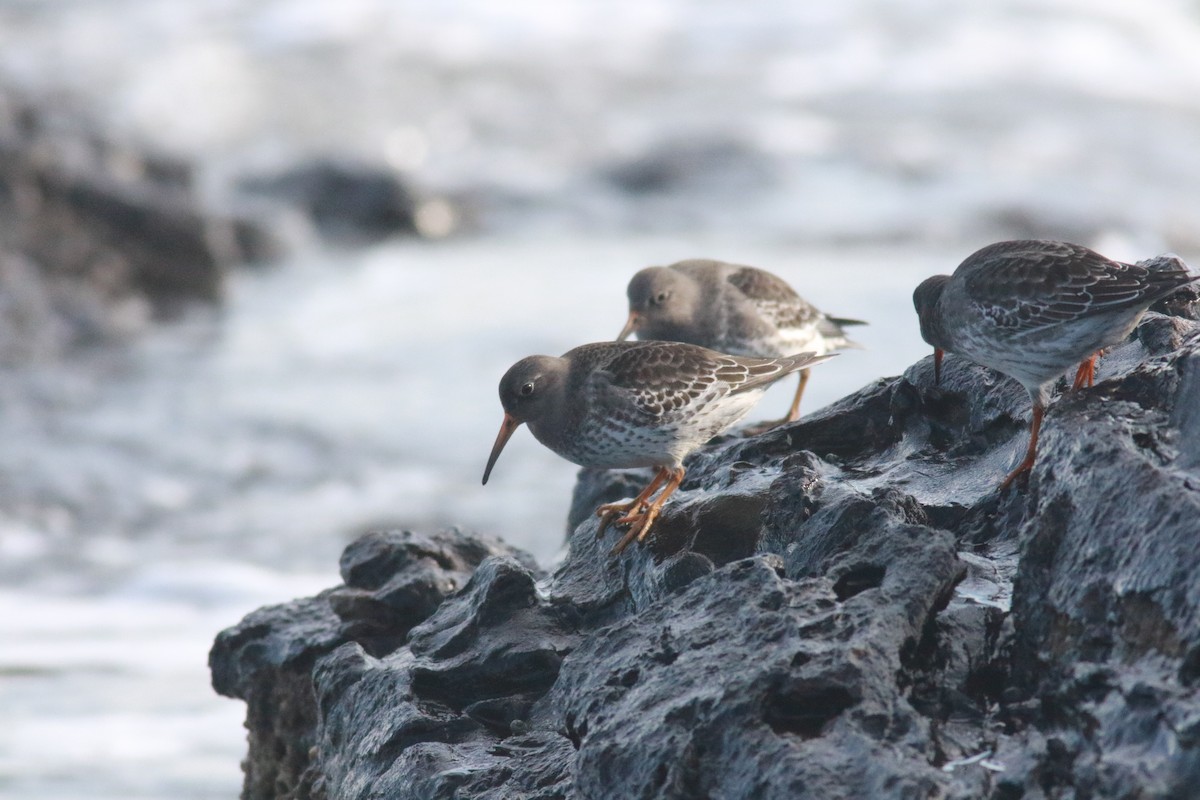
393 580
844 607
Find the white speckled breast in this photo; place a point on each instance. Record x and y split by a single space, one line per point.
615 440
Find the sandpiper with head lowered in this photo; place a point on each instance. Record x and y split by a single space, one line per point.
1033 309
732 309
634 404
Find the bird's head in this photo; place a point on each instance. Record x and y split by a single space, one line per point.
661 302
528 393
925 299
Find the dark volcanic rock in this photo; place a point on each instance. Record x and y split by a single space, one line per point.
844 607
393 581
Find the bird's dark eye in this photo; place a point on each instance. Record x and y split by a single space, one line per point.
660 298
527 389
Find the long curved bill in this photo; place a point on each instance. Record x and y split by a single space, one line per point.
631 325
507 427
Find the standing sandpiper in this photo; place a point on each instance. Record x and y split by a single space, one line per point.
634 404
1033 309
732 309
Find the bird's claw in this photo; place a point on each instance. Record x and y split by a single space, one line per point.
624 512
639 528
1012 476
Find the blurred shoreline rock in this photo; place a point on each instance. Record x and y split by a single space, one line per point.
844 607
98 237
355 203
344 201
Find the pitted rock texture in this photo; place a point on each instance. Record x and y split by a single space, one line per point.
392 582
843 607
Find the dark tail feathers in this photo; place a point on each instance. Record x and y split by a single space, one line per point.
845 322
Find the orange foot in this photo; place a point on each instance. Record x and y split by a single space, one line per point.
1086 374
639 527
633 508
640 521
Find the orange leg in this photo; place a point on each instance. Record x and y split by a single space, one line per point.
1086 374
938 355
794 412
608 511
1027 464
640 524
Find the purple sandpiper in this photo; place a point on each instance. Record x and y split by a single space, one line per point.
733 309
634 404
1032 309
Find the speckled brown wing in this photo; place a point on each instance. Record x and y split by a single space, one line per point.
1031 285
658 379
774 300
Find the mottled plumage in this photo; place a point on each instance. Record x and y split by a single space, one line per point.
732 309
634 404
1033 309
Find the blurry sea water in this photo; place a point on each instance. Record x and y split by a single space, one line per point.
154 493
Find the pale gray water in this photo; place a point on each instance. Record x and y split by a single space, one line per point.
151 495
